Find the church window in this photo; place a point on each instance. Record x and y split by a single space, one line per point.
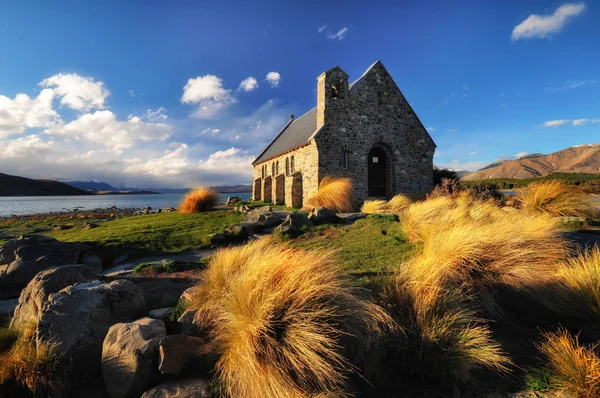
334 91
273 169
344 159
292 168
277 168
287 167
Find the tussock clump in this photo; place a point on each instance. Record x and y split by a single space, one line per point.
199 200
468 241
439 337
335 194
374 206
557 199
282 322
579 284
398 203
573 367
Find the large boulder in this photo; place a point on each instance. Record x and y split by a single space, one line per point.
78 317
36 293
130 357
29 255
192 387
294 224
176 351
231 200
323 215
253 216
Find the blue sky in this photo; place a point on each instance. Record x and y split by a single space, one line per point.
187 93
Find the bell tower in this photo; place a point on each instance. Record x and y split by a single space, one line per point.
332 93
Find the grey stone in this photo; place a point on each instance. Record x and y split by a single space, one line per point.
160 313
176 351
36 293
193 387
231 200
7 309
294 223
130 357
187 325
322 215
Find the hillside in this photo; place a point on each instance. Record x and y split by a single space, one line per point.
577 159
21 186
92 185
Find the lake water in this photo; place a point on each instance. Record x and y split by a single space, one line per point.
23 205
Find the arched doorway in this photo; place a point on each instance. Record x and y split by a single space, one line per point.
377 172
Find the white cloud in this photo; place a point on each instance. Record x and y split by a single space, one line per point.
208 92
552 88
23 112
430 129
521 154
131 93
541 26
158 115
77 92
473 153
322 28
458 165
102 127
581 122
273 78
452 131
339 35
29 146
555 123
248 84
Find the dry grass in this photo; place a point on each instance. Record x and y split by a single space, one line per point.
335 194
374 206
283 322
574 367
199 200
398 203
579 284
439 337
465 241
557 199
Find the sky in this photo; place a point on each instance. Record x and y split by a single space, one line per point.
185 94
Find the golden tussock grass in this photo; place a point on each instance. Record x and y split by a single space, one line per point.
574 367
283 322
335 194
439 335
557 199
465 241
199 200
579 284
374 206
398 203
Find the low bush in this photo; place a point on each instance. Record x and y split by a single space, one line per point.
398 203
374 206
199 200
557 199
573 367
283 322
335 194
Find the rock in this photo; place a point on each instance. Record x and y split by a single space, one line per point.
176 351
168 209
161 313
130 357
322 215
186 296
120 259
192 387
33 254
63 227
187 325
233 200
36 293
89 225
93 261
7 310
78 317
294 224
253 216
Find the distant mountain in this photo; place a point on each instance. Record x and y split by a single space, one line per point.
577 159
21 186
92 185
232 188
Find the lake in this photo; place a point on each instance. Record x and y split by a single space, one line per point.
24 205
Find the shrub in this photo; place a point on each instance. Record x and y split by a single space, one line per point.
573 367
199 200
283 322
557 199
398 203
579 284
374 206
335 194
468 241
439 337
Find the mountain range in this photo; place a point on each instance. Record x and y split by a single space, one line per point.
21 186
576 159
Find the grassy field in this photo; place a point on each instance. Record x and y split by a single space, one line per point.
588 182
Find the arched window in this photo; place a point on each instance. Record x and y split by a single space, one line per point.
277 168
292 168
273 169
287 167
262 171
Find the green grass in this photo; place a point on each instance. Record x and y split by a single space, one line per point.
539 380
260 203
167 266
367 248
153 233
588 182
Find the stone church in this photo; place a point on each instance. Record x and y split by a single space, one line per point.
365 130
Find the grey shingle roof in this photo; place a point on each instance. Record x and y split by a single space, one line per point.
293 135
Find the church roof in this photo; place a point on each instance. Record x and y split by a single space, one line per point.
297 132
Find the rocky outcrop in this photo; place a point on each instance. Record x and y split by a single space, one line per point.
232 200
176 351
294 224
28 255
193 387
36 293
322 215
78 317
130 357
